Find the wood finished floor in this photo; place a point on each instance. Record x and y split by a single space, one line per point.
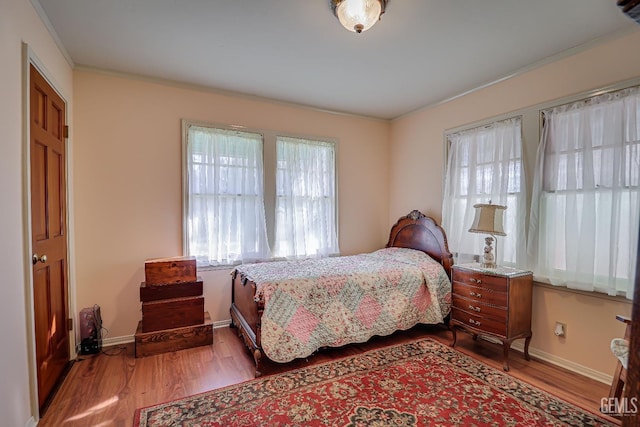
105 389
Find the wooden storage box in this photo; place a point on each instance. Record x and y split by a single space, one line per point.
170 270
151 292
172 313
152 343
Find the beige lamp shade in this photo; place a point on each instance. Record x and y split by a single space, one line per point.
488 219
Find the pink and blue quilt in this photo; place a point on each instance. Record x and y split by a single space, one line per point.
330 302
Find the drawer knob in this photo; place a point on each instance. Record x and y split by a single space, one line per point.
474 308
475 294
474 322
478 281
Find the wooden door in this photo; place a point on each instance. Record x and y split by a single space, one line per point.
48 234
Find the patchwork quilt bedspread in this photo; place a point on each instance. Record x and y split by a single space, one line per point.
330 302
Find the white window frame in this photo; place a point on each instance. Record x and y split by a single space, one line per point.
247 241
320 242
269 170
557 271
519 199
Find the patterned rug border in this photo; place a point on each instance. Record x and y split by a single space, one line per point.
457 360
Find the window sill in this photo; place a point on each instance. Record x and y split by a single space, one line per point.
594 294
232 266
217 267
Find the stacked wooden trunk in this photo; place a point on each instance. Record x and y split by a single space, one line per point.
173 315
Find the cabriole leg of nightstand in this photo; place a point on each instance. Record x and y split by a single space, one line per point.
526 348
453 331
506 345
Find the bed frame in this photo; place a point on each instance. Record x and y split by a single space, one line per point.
414 231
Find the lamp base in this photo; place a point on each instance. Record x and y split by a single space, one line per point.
488 265
488 260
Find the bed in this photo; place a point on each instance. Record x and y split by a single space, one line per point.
284 310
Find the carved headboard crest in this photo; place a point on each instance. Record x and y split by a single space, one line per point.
418 231
415 215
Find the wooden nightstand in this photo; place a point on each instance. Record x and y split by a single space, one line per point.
494 303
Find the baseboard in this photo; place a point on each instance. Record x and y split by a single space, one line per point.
126 339
109 342
31 422
221 323
564 363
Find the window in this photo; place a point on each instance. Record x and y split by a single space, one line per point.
305 199
225 202
485 164
585 206
225 221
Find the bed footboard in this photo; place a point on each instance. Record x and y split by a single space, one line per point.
245 316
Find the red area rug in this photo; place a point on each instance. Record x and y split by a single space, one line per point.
423 383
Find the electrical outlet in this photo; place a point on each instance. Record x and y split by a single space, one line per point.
560 330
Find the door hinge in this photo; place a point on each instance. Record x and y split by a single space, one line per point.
70 324
66 131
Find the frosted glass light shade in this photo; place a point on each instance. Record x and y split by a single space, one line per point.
488 219
358 15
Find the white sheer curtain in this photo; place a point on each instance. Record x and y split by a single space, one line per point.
485 164
585 207
305 199
225 206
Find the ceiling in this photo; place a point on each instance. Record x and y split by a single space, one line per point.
421 52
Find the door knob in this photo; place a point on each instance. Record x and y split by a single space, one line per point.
36 258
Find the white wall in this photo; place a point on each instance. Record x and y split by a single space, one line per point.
18 23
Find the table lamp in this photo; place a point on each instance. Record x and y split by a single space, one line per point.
488 220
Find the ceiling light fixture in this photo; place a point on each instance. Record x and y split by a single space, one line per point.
358 15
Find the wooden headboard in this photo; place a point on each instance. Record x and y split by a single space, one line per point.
420 232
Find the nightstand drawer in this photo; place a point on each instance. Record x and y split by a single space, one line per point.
485 295
481 323
479 308
486 281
